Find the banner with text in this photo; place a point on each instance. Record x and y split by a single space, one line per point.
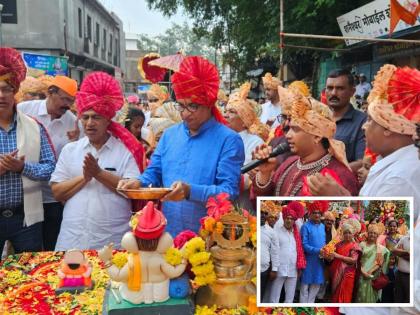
372 20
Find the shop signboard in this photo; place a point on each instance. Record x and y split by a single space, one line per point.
372 20
38 64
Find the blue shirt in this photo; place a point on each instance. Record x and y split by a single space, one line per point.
11 189
313 239
349 130
210 162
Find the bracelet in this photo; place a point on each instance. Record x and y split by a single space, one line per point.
258 183
108 264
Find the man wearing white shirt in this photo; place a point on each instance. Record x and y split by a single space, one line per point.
272 108
402 278
363 88
88 170
62 127
269 254
289 245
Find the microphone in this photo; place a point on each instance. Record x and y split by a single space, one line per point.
283 147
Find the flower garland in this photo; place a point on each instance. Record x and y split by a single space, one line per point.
195 252
173 256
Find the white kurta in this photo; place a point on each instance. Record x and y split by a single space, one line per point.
270 111
57 130
397 175
251 141
95 216
287 248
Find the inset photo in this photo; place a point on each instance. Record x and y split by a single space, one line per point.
334 252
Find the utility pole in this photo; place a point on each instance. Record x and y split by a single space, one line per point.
281 40
1 31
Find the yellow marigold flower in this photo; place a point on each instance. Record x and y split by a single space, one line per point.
134 221
203 269
254 239
205 310
199 258
254 280
204 280
120 259
194 245
209 224
173 256
204 233
219 227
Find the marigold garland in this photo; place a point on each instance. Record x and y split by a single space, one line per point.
193 246
120 259
173 256
203 269
199 258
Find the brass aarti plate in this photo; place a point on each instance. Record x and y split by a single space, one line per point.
145 193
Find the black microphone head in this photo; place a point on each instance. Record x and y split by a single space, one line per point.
281 148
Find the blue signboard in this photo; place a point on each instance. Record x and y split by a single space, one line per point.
143 88
45 64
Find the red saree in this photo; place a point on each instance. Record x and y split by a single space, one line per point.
343 275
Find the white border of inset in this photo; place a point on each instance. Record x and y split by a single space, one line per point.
343 198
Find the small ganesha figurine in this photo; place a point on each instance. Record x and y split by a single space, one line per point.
145 277
75 271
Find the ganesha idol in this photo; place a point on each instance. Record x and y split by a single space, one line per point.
145 277
74 272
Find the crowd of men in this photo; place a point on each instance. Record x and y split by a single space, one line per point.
62 158
336 259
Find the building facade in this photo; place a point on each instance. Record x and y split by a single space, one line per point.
83 30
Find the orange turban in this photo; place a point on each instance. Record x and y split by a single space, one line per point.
198 81
270 82
12 67
246 112
66 84
394 99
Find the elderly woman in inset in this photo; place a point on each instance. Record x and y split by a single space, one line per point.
346 259
374 260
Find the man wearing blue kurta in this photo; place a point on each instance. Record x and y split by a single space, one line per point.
313 239
199 157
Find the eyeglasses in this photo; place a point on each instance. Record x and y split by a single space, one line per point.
192 108
281 118
6 90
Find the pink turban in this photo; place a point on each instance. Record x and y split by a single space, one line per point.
101 93
12 67
294 209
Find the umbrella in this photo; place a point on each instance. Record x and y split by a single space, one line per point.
170 62
149 72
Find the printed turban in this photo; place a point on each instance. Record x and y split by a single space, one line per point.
247 113
300 87
30 85
198 80
101 93
294 209
316 118
328 215
287 97
394 99
351 225
320 205
270 82
159 92
12 67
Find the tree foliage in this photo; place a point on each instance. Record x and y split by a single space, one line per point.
250 28
176 38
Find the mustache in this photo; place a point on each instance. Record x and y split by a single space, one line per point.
333 98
